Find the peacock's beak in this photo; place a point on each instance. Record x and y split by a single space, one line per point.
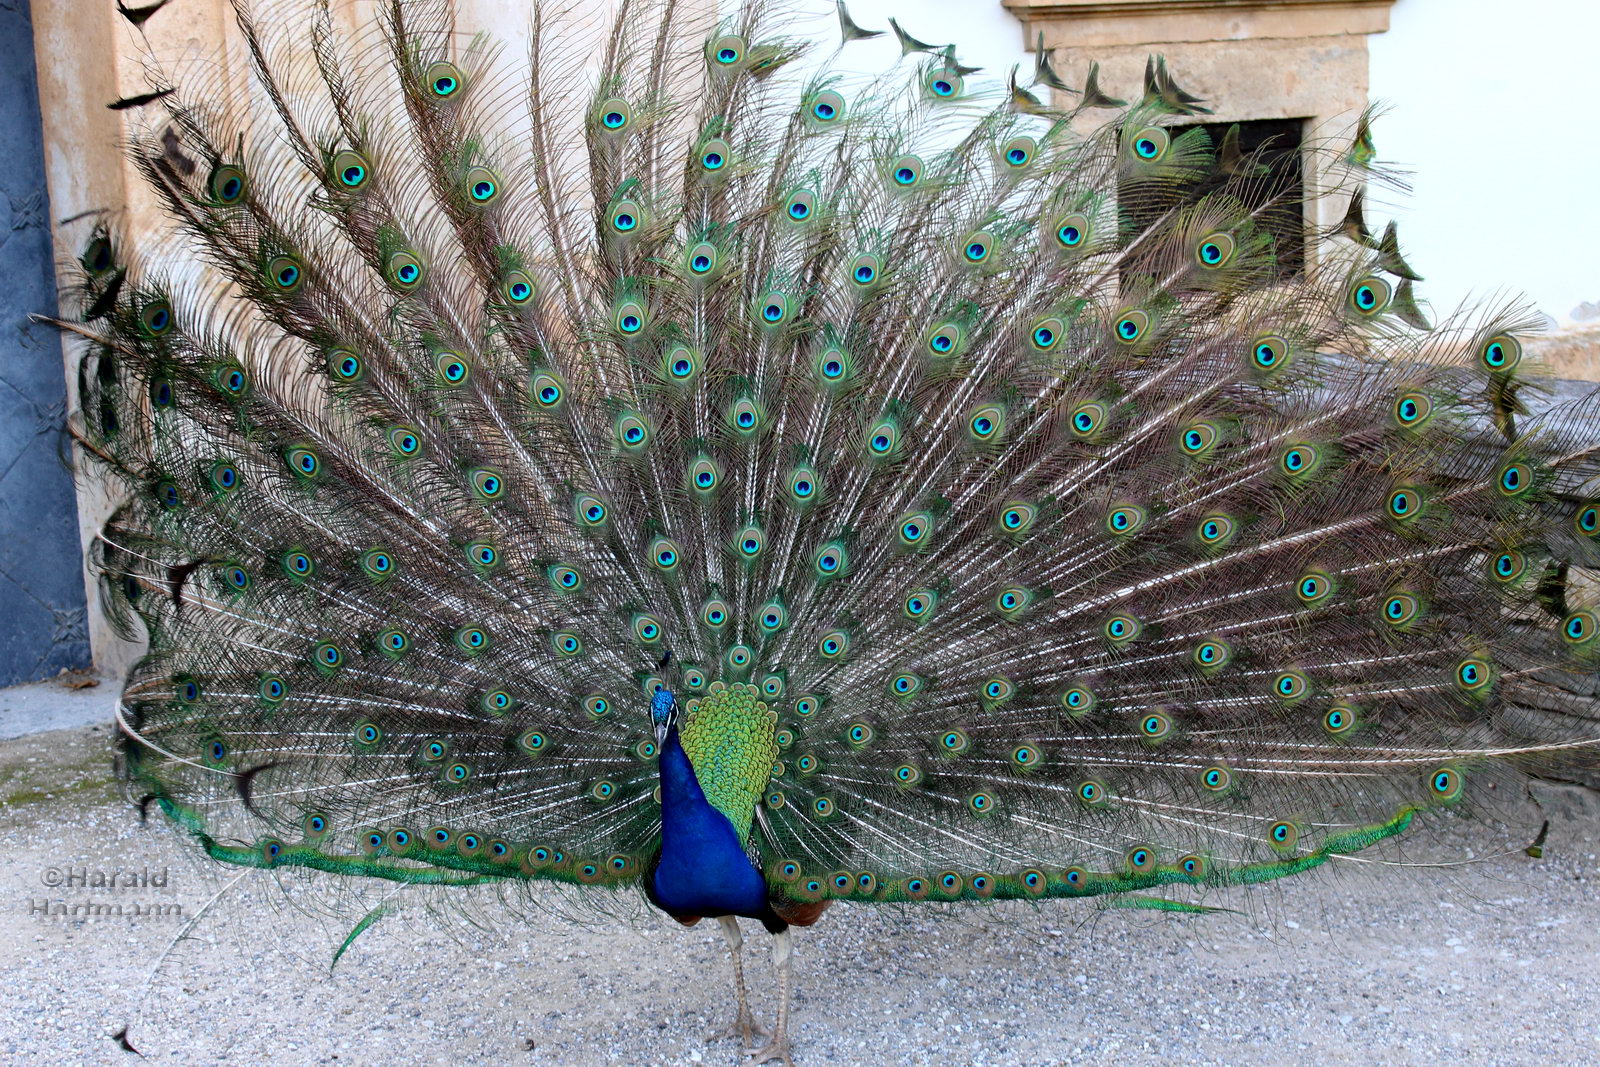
661 734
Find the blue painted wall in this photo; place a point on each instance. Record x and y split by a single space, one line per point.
42 613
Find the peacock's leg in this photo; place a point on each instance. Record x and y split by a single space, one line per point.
778 1047
744 1027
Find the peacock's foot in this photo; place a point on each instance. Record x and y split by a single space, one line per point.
745 1028
777 1050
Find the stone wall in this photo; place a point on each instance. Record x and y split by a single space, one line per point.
1248 59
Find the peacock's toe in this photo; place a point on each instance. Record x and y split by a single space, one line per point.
777 1049
745 1028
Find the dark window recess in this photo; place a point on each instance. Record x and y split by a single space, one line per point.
1275 145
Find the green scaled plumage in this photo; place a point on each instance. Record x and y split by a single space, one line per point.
1017 526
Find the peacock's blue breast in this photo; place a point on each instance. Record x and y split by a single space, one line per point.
703 869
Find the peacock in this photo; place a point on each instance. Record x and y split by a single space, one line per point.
662 463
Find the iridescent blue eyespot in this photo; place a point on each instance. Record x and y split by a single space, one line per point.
906 172
913 529
1299 460
1580 628
633 432
665 554
943 84
1339 720
1131 326
227 185
726 51
1019 152
1149 144
1445 784
1412 410
1210 656
1472 674
945 340
1078 700
590 510
304 462
772 617
1369 296
1125 520
224 476
518 288
800 206
1072 231
1215 250
1046 333
1290 685
625 217
155 318
442 79
1404 504
1313 587
452 367
487 485
830 560
404 270
1500 353
1120 629
548 391
919 604
749 542
1508 566
987 423
1155 726
614 117
1087 419
1515 479
351 169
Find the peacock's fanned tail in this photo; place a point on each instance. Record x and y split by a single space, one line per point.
1075 542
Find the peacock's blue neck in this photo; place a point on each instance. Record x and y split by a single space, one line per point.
703 869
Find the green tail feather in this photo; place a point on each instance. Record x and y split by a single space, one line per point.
1072 539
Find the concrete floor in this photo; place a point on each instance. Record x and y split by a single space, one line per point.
1492 961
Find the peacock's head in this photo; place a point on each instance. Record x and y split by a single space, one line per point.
663 713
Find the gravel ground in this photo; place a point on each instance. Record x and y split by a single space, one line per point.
1489 962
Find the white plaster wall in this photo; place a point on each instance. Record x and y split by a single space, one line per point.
1492 110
